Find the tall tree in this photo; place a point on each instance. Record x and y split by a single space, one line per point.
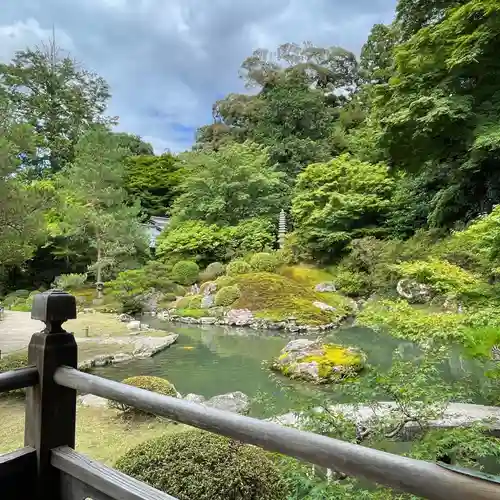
154 180
96 205
58 98
442 105
21 205
229 186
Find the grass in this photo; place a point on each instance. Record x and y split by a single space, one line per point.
100 432
103 325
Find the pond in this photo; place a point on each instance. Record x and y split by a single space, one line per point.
210 360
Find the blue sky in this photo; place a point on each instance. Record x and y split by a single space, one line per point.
167 61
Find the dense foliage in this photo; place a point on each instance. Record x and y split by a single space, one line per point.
198 464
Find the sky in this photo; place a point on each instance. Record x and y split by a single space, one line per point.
168 61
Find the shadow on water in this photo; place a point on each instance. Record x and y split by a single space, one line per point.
211 360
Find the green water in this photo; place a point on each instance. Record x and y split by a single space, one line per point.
211 360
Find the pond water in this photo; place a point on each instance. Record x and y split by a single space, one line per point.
210 360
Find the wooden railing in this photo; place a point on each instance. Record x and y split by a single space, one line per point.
48 467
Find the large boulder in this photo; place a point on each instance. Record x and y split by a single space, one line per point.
317 362
325 287
414 292
194 398
239 317
234 402
207 301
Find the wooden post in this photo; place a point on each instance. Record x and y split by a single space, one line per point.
50 408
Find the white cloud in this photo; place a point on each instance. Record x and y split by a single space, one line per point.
167 61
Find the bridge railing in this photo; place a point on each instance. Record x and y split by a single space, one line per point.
48 467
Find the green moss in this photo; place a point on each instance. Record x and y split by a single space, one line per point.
308 276
335 357
237 267
191 313
227 295
225 281
276 298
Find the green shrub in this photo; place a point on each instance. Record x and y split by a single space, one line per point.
131 287
191 313
443 277
70 281
238 267
227 295
189 301
20 293
13 361
265 262
204 466
149 383
416 324
224 281
350 282
185 272
212 272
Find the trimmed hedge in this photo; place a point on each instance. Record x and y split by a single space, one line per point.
238 267
204 466
264 262
149 383
185 272
213 271
227 295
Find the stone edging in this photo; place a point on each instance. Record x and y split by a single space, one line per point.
141 352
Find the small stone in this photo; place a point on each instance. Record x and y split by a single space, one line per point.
235 402
239 317
323 306
122 357
208 320
325 287
125 318
92 401
194 398
103 360
134 325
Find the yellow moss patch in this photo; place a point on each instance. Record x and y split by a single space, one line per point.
308 276
336 361
276 298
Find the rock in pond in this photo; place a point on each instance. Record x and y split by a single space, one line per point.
194 398
134 325
318 362
235 402
325 287
239 317
413 291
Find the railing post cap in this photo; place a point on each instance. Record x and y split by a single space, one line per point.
53 306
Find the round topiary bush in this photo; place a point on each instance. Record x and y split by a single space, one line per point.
264 262
203 466
185 272
213 271
149 383
238 267
227 295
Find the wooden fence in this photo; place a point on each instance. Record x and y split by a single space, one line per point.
48 467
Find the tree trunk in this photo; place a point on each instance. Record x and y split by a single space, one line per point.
98 271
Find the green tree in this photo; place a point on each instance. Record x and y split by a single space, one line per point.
134 145
154 180
59 99
229 186
95 203
438 113
21 205
340 200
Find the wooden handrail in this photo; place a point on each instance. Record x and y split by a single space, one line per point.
401 473
18 379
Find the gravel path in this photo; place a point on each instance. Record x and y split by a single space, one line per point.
16 330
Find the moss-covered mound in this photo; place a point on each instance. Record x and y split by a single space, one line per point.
275 297
319 363
148 383
204 466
